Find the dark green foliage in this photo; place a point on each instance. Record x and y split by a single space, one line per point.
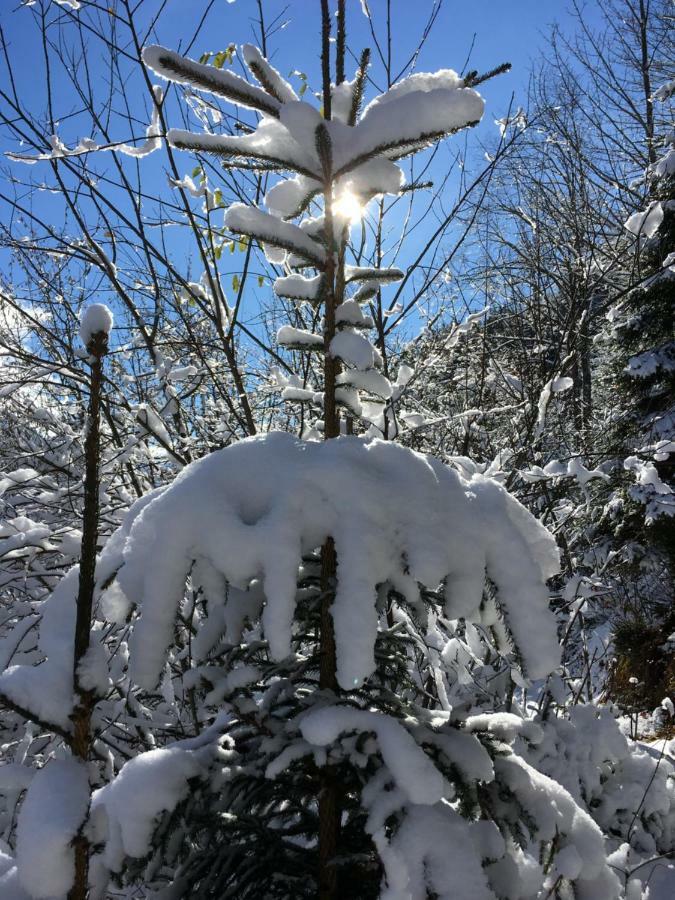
251 836
636 516
644 654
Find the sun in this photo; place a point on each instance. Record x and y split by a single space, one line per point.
347 206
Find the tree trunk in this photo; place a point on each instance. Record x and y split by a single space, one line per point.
329 795
80 742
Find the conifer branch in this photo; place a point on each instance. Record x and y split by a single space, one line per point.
473 79
172 66
397 150
340 43
261 76
325 59
210 143
359 85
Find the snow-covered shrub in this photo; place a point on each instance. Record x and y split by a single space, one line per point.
628 787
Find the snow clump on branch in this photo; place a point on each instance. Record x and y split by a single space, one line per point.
95 319
253 510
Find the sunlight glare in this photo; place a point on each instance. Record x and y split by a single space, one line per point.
347 206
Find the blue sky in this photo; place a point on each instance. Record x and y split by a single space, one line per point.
504 30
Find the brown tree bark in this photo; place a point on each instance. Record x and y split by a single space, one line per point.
329 796
81 738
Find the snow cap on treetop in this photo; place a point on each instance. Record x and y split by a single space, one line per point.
94 319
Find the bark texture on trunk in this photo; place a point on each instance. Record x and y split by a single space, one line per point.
81 738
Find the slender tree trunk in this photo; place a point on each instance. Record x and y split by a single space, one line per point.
80 742
586 375
329 794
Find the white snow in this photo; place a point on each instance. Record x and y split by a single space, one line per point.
152 424
271 144
114 605
506 726
87 145
182 373
643 365
543 402
92 670
222 82
375 176
94 319
10 889
262 69
47 689
298 395
254 508
665 165
15 778
153 139
250 220
420 81
574 468
417 111
432 851
646 223
288 336
299 287
342 96
367 273
561 383
568 863
349 312
18 476
371 380
51 815
355 350
124 812
555 812
647 474
412 770
287 198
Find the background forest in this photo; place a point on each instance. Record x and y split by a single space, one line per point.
421 644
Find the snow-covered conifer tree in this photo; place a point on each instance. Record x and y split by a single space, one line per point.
330 573
335 592
640 509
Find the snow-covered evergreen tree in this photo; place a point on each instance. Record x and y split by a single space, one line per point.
309 647
638 514
336 583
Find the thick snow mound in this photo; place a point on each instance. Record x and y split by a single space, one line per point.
94 319
413 771
47 689
51 815
432 849
124 812
397 517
